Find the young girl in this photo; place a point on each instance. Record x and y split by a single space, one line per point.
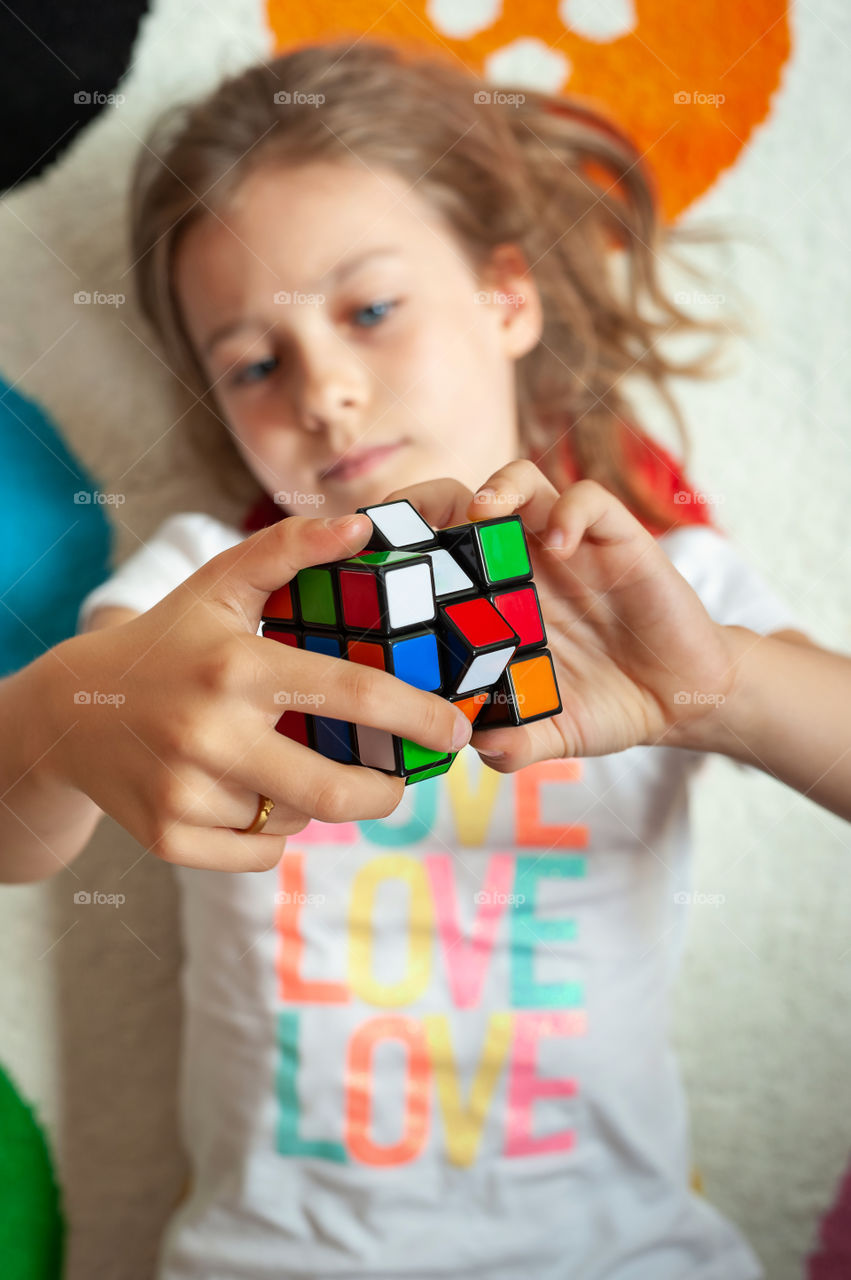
432 1043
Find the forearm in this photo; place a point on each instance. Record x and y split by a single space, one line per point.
787 713
44 822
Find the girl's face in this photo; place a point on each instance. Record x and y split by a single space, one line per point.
351 347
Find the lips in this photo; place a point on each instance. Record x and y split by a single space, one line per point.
359 463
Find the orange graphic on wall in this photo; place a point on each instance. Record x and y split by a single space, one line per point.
689 83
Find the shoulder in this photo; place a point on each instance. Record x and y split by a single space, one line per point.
196 534
181 545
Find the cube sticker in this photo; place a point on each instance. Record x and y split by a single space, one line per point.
451 611
398 526
385 591
493 552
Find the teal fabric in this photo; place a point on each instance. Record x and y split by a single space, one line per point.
53 549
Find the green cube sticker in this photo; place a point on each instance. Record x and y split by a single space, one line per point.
384 557
504 550
433 771
416 757
316 596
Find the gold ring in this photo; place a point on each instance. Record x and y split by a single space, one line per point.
266 807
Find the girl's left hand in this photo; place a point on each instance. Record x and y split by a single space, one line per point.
638 659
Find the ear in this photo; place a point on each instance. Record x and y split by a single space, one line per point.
513 294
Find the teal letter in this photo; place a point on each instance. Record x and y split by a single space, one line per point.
527 932
289 1142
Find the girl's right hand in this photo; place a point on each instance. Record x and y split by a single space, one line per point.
181 757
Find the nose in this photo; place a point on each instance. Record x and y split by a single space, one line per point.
332 390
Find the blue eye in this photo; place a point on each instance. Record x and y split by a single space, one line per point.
373 313
256 372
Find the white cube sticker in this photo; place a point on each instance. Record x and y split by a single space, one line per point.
375 747
401 524
448 574
485 670
410 596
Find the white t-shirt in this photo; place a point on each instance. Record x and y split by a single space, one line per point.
436 1045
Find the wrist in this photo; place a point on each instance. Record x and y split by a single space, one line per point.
721 724
45 704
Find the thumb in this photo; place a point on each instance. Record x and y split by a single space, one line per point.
243 577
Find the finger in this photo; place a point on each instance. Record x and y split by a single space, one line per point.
243 577
219 850
514 747
517 488
312 784
587 509
350 691
442 502
221 803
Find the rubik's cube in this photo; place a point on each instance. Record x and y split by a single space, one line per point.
452 611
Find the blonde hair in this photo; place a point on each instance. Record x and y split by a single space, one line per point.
546 173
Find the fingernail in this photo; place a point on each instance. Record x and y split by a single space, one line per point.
481 499
491 755
556 540
461 733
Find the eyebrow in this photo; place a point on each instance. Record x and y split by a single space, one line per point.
334 276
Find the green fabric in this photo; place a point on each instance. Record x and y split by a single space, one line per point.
32 1228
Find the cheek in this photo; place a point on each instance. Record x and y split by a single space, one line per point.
451 359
